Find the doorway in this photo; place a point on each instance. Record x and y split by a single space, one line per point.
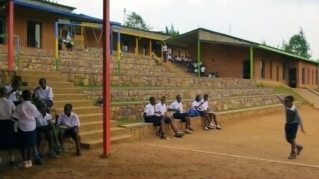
34 34
246 69
292 77
2 29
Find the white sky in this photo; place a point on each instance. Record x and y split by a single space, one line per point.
255 20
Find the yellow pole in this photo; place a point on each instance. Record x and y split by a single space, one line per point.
136 46
150 47
82 36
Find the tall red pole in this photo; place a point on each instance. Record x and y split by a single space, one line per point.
106 79
10 34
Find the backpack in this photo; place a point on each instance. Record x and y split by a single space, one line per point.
193 113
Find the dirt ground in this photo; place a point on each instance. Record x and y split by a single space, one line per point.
201 155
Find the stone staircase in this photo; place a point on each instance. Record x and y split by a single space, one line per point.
309 95
89 114
139 79
179 71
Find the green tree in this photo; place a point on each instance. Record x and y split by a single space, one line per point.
50 1
172 32
298 45
136 21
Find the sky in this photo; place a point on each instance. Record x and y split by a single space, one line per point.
254 20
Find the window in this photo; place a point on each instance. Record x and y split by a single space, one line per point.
262 68
316 77
2 29
283 71
34 34
125 46
270 70
308 76
277 72
303 75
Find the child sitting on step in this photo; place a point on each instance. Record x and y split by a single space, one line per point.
69 123
43 94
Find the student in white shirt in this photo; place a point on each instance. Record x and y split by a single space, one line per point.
43 93
177 108
13 91
165 52
161 108
70 124
25 114
202 70
6 124
197 105
212 115
45 131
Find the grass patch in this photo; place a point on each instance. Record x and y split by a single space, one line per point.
129 121
287 91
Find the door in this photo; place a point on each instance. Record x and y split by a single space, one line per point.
292 77
2 29
34 34
246 69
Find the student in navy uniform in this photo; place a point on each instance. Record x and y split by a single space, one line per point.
212 115
293 121
70 123
25 114
6 124
43 93
177 108
44 131
197 105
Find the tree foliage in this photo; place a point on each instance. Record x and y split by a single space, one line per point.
172 32
136 21
50 1
298 45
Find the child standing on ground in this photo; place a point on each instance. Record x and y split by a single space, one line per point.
6 124
70 124
25 114
293 121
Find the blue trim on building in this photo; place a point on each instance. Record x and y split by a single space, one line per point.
67 14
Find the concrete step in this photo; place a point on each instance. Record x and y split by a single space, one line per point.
75 103
91 118
99 142
59 90
98 134
38 73
91 126
69 97
47 77
34 84
83 110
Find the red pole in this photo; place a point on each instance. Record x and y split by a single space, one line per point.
106 78
10 34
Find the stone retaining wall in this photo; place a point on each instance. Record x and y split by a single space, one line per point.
134 110
145 94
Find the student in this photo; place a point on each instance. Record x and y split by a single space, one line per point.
212 115
43 93
25 114
70 124
177 108
6 124
12 91
45 131
204 114
293 121
160 108
165 53
202 70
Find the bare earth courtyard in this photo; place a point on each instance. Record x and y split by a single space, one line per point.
204 155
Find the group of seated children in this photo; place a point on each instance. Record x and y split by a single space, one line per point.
156 113
27 124
182 61
213 75
199 66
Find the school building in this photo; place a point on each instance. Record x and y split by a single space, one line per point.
233 57
34 23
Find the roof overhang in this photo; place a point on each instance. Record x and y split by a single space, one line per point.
73 16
